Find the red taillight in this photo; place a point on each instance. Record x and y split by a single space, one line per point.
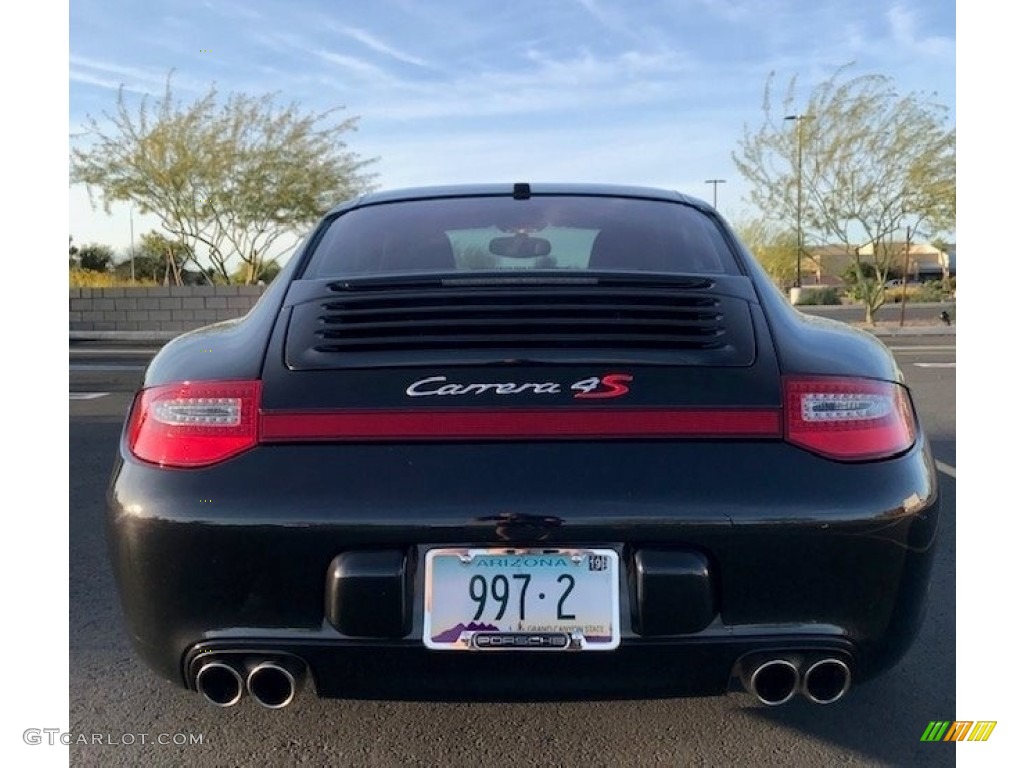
194 423
848 419
198 423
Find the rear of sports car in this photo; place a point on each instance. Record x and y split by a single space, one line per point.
529 443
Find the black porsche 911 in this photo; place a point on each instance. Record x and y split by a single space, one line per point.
522 442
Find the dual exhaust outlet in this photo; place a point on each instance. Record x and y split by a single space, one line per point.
776 681
273 683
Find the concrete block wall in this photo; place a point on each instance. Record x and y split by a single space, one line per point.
164 308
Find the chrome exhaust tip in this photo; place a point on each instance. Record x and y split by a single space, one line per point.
826 681
774 682
273 684
220 684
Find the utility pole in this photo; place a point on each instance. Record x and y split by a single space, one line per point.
799 190
906 268
714 183
131 230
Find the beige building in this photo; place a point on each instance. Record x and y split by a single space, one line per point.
825 264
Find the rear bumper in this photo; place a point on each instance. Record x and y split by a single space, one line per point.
826 557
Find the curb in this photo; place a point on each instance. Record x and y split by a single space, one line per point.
158 336
889 306
926 330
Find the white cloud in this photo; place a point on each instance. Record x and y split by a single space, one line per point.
112 75
78 76
234 11
660 153
854 38
621 22
376 44
282 42
545 84
356 66
607 18
735 11
111 68
903 29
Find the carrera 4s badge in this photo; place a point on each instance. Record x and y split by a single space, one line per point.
594 388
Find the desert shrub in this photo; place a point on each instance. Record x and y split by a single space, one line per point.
930 291
95 257
923 292
87 278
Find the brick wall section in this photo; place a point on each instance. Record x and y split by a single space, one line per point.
167 308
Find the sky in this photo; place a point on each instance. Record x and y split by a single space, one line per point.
654 93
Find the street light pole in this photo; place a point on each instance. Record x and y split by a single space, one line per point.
799 190
714 183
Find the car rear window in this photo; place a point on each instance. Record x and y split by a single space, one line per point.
540 233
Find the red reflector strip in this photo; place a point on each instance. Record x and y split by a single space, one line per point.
519 424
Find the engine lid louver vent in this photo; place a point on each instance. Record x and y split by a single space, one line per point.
493 323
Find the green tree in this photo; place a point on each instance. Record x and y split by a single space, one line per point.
157 258
871 163
773 246
942 246
227 177
95 257
268 272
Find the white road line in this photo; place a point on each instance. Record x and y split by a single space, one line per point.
945 469
935 365
923 348
86 395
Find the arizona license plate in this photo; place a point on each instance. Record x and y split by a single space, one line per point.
526 599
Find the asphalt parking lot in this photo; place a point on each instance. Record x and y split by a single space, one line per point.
113 694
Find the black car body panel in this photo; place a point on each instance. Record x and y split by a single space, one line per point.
734 548
226 350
